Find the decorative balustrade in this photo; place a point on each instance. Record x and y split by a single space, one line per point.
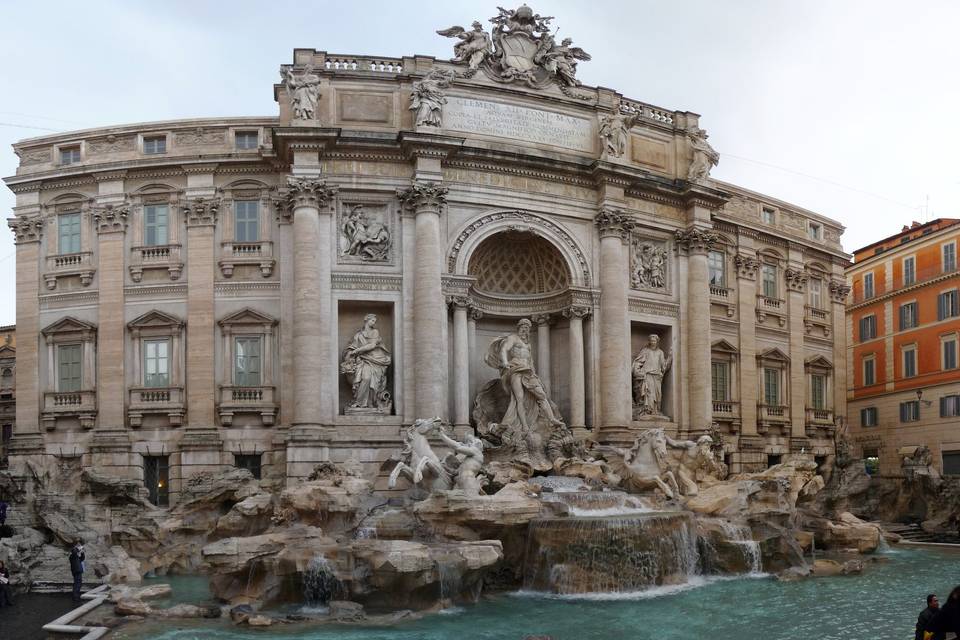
819 417
259 254
726 408
81 405
773 304
157 401
69 264
720 292
247 400
163 256
335 62
646 111
773 413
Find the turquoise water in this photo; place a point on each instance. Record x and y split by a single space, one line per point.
881 604
185 590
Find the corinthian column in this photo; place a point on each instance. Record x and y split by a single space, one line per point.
615 402
426 201
578 411
306 197
697 242
543 350
110 221
461 361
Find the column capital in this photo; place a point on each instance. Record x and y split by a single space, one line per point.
423 196
695 239
475 313
542 319
305 191
613 222
839 291
26 230
576 311
199 212
746 266
111 218
463 302
796 280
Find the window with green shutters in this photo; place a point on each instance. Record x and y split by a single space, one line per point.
68 225
720 375
246 371
947 305
69 366
156 363
156 225
908 316
246 221
769 276
771 386
818 391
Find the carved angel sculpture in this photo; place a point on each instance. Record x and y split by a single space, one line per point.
561 61
474 46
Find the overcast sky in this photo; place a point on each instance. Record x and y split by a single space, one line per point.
846 108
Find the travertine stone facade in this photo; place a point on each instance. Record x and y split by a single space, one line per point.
186 290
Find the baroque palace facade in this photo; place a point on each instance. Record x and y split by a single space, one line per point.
275 292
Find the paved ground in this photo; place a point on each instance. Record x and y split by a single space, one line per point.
25 619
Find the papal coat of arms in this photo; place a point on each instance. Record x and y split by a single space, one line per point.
520 49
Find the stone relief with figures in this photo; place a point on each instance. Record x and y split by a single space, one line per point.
364 233
648 264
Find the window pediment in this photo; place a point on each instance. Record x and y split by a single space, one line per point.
6 351
773 355
722 346
818 364
155 319
248 318
69 329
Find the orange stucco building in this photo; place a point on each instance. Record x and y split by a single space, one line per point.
903 346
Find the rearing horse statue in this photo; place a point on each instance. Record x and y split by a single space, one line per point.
418 462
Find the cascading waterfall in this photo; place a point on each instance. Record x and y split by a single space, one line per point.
610 554
320 583
741 536
598 503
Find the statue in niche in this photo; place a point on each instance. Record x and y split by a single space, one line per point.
365 238
705 157
649 266
474 46
614 130
365 362
427 98
304 91
514 411
645 466
649 367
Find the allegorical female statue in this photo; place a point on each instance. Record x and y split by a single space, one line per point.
365 362
649 368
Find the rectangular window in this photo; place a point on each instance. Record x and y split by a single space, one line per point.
869 373
951 463
717 264
868 417
773 459
814 230
156 363
156 221
68 227
909 362
908 316
69 359
69 155
949 257
947 305
771 386
909 271
818 390
868 328
720 377
816 293
868 285
950 406
156 478
246 221
246 362
245 140
769 215
250 462
769 277
910 411
949 349
155 144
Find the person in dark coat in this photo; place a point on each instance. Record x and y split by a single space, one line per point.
926 616
948 617
77 558
6 593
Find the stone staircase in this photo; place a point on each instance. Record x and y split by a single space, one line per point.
913 533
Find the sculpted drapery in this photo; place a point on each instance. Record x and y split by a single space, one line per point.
365 362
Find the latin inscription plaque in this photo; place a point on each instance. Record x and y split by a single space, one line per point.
517 123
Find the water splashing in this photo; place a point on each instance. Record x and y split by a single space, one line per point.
741 536
320 583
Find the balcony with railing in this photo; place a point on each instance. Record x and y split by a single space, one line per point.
156 401
814 317
258 253
819 422
81 405
162 256
773 413
768 307
723 298
69 264
236 400
726 411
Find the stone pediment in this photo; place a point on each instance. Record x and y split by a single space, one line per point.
7 351
68 325
818 362
773 354
248 316
155 319
722 346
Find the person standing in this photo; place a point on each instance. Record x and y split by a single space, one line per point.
77 558
946 618
926 616
5 590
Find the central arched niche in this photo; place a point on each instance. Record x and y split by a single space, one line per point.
518 263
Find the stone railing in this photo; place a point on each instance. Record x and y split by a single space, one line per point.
819 416
247 400
69 264
338 62
726 409
163 256
69 404
647 111
165 401
773 413
258 253
720 292
769 304
813 313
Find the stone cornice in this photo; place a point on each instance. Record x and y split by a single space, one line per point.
576 311
423 196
